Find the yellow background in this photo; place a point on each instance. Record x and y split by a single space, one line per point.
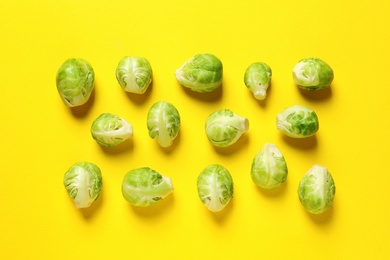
41 138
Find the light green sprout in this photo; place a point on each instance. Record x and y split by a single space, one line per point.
224 127
257 79
74 82
134 74
297 121
110 130
317 189
269 168
201 73
312 74
144 187
215 187
83 183
163 122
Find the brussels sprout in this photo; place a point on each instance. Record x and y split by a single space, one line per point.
163 123
110 130
201 73
83 182
269 168
312 74
257 78
215 187
143 187
224 127
134 74
74 82
297 121
317 189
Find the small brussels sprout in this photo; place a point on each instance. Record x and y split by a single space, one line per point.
201 73
257 78
110 130
269 168
134 74
317 189
144 187
74 82
312 74
224 127
163 123
215 187
297 121
83 182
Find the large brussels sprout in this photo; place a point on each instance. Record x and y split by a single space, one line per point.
83 182
257 79
312 74
110 130
144 187
215 187
163 123
224 127
201 73
134 74
74 81
269 168
317 189
297 121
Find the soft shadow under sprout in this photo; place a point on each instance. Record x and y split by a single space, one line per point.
172 147
240 144
82 111
222 216
91 211
124 147
324 218
212 96
316 95
275 192
301 143
154 210
262 103
140 98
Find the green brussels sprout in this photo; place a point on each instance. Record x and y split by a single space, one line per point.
215 187
257 79
224 127
269 168
74 82
110 130
144 187
163 123
134 74
201 73
297 121
83 183
317 189
312 74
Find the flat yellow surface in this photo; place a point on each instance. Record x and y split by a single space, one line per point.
42 138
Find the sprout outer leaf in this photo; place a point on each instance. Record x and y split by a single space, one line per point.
201 73
215 187
312 74
317 189
83 183
224 127
269 168
134 74
111 130
297 121
75 82
143 187
163 123
257 79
